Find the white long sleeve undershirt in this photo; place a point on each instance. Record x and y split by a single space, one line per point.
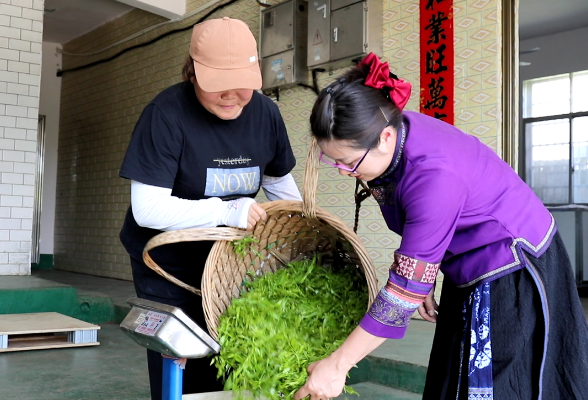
154 207
282 188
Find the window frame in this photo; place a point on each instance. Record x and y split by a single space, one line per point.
526 153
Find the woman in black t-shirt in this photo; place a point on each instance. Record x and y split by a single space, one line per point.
198 156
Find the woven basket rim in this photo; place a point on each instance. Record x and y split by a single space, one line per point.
322 215
221 235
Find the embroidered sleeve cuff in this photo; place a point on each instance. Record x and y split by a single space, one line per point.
391 312
377 329
409 283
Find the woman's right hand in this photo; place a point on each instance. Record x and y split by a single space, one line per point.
242 213
256 214
326 378
428 309
325 381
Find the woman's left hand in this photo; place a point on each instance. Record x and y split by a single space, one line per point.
428 309
325 381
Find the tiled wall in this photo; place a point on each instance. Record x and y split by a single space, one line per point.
100 106
21 27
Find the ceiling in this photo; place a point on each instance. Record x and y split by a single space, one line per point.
73 18
545 17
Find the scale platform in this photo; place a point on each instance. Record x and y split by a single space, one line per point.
167 330
49 330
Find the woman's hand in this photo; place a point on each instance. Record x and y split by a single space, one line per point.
256 214
242 213
325 381
327 376
428 310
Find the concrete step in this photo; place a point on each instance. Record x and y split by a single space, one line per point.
117 290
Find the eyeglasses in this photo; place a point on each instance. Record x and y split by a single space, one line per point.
353 169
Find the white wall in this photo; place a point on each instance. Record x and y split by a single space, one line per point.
560 53
21 31
49 107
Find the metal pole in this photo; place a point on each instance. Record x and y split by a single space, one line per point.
510 83
172 380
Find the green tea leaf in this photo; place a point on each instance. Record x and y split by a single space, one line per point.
283 322
241 246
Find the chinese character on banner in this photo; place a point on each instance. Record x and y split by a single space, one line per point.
436 38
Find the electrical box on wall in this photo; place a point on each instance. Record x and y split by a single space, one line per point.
343 29
283 44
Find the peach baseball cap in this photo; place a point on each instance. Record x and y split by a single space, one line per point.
225 55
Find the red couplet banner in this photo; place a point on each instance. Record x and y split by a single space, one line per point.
437 61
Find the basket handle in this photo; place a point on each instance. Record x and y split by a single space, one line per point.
188 235
310 180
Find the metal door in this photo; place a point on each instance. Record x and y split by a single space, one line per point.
348 38
319 25
277 29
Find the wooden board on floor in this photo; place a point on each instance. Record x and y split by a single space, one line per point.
14 324
35 331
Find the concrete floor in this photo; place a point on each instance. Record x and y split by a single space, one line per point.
367 390
117 368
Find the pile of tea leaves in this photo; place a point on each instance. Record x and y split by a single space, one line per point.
283 322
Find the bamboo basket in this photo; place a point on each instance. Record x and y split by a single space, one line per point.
293 230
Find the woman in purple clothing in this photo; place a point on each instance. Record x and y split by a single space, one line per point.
510 324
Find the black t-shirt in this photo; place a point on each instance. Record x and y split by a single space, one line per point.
179 145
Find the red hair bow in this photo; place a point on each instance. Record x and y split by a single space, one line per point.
379 78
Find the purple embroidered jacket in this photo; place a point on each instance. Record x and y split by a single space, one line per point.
458 207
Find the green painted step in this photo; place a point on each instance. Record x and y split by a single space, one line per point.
117 290
120 313
390 373
400 364
371 391
45 262
29 294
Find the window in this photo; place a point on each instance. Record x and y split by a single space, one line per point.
555 123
